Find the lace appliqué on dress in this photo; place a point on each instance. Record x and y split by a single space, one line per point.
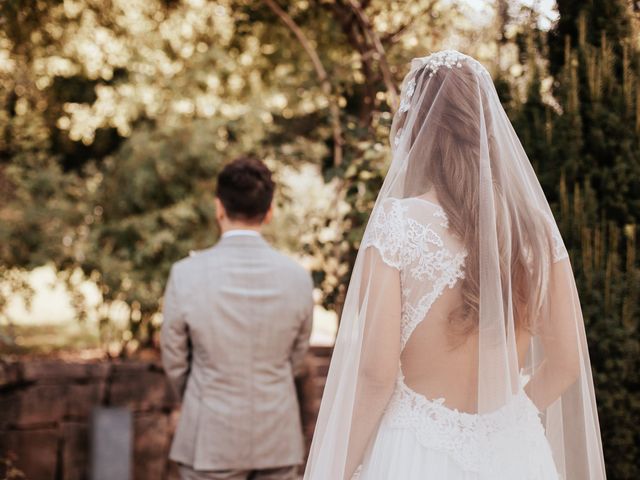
404 242
444 269
443 216
559 250
386 232
470 439
418 251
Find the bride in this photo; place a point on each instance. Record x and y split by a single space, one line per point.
461 352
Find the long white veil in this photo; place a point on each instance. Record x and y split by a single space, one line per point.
506 315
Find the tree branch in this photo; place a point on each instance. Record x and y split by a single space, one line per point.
348 21
322 76
381 56
392 37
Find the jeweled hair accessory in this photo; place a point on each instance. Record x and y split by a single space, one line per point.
448 59
432 63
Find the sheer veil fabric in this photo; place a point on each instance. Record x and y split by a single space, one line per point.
462 298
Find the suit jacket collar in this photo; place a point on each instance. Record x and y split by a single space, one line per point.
249 241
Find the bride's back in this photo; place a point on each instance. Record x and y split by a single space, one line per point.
439 358
439 364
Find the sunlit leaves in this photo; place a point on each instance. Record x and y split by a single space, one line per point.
115 118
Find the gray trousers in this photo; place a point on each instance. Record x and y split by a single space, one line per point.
279 473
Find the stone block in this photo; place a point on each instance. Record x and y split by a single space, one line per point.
9 408
36 451
172 472
151 390
75 450
151 445
55 371
134 367
9 374
34 405
83 397
38 404
319 383
321 366
321 352
174 417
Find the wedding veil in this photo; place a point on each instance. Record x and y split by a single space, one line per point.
502 313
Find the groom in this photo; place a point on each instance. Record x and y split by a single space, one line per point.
237 319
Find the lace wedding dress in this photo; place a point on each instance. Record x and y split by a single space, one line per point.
461 352
422 438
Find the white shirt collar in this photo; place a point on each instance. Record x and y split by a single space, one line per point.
241 233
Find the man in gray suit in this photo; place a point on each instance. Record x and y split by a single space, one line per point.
237 319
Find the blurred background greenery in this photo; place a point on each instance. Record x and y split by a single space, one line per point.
115 117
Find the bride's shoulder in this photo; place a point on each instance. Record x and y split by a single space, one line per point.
424 210
410 204
391 216
416 209
390 206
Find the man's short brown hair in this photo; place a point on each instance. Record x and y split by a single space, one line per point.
245 188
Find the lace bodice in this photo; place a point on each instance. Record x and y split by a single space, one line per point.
413 236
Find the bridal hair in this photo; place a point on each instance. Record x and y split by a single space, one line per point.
245 188
453 173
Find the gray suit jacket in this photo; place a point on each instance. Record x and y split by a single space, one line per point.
237 319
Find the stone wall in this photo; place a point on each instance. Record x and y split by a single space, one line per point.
46 404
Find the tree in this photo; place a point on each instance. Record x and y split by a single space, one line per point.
582 136
115 118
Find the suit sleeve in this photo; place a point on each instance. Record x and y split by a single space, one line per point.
174 338
301 344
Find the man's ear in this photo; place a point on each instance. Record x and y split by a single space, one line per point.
268 216
221 213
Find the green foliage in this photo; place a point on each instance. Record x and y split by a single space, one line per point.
114 120
609 17
582 137
360 181
137 225
605 262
